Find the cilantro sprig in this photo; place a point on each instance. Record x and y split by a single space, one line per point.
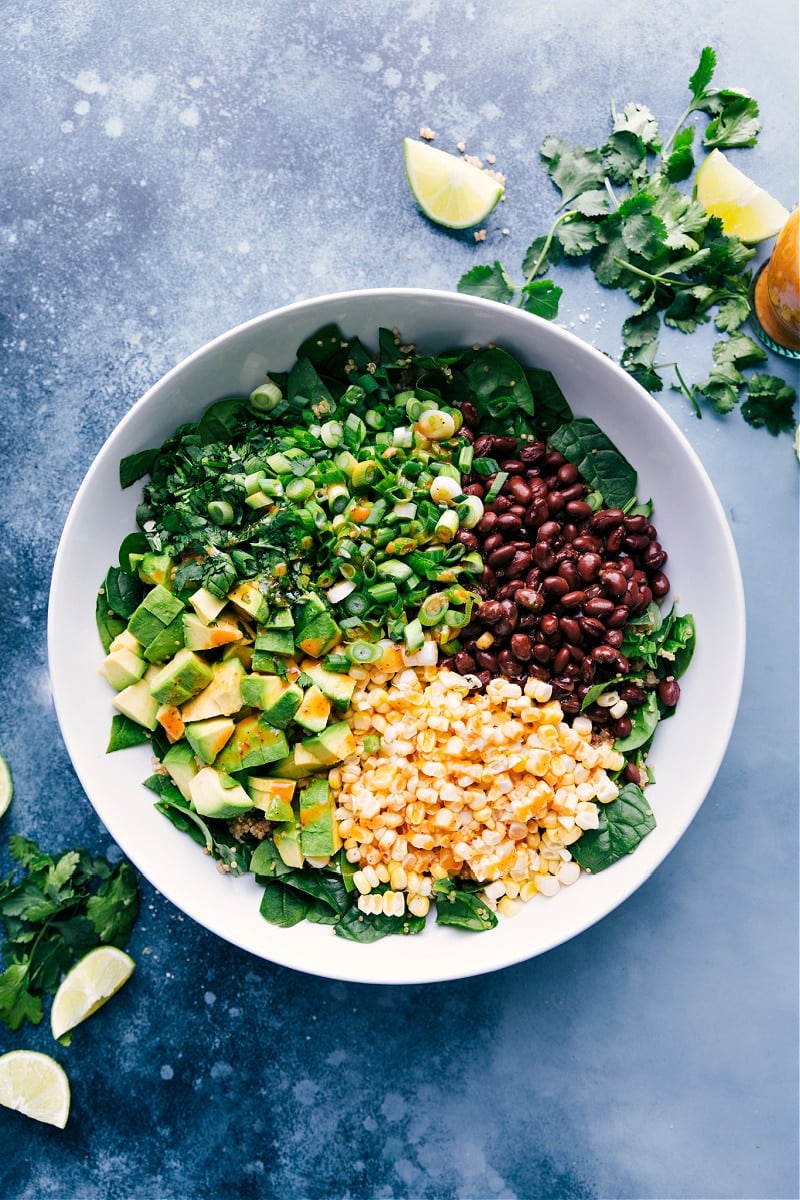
622 212
57 909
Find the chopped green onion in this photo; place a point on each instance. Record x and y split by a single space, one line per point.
364 473
384 592
374 419
497 486
220 512
433 608
299 490
403 437
447 526
394 568
414 636
338 497
470 511
363 652
436 425
355 604
337 662
266 397
331 434
465 457
279 464
354 431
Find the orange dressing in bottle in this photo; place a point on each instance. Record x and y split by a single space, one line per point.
776 293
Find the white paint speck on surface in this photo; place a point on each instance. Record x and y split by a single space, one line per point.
82 107
114 127
189 117
167 1072
91 83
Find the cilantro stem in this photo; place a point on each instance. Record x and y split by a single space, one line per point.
688 392
542 257
664 277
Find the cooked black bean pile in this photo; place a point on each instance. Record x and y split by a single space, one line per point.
560 583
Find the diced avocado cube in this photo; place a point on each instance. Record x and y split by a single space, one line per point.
170 719
319 836
208 737
337 687
206 604
179 762
166 643
279 618
272 796
286 837
122 667
155 568
215 794
266 663
278 699
181 678
157 610
137 703
312 605
126 641
314 711
276 641
289 768
331 746
201 635
254 744
319 635
222 697
249 599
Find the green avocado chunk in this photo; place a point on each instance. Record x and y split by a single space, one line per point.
319 836
158 609
181 678
254 744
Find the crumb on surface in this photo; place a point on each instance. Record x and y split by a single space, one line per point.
427 133
480 235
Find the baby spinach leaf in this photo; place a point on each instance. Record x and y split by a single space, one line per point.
123 591
643 722
136 466
463 909
356 926
607 471
284 906
551 407
498 382
109 625
624 822
323 886
125 733
678 646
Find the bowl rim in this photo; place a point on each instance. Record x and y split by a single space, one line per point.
428 970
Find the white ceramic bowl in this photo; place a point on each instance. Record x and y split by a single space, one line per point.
702 566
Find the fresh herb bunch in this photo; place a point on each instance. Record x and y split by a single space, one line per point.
622 212
58 910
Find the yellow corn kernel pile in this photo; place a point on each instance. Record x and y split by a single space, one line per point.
494 786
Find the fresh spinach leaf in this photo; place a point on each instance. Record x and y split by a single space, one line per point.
356 926
461 908
135 466
643 723
624 822
284 906
605 469
125 733
123 591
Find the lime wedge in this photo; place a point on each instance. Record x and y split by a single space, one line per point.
35 1085
6 786
91 982
449 190
745 209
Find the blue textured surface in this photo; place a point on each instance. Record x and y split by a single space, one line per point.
167 172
